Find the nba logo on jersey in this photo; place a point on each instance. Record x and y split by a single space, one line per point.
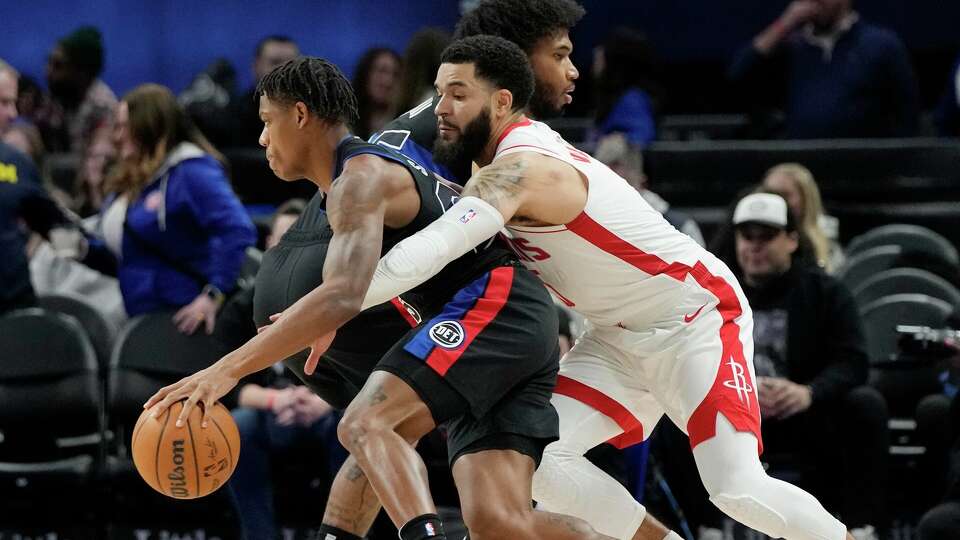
430 530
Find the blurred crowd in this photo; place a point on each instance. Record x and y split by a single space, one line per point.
149 221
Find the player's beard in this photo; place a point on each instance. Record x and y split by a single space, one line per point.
473 139
543 104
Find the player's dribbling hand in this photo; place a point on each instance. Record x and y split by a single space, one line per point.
205 387
317 348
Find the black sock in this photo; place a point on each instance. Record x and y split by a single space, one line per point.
425 527
328 532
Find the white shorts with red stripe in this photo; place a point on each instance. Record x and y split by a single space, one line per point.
690 373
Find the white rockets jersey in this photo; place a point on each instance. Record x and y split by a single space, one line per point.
619 262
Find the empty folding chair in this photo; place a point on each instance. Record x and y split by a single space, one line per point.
99 331
905 281
51 413
909 237
865 264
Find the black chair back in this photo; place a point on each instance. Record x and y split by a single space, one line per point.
866 264
881 318
908 237
99 331
151 353
906 281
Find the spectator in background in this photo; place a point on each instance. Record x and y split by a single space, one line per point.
376 83
30 98
171 228
627 161
22 198
25 137
947 115
420 63
270 52
943 521
844 77
811 367
79 118
627 96
274 413
796 184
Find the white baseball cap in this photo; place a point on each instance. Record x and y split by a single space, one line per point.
763 208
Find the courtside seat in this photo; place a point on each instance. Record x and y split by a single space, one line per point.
905 281
908 237
51 418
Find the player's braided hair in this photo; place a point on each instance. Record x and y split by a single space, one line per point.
496 60
316 82
523 22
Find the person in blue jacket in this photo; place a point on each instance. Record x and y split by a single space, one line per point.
628 96
171 227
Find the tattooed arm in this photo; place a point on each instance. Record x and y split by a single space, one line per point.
357 208
505 184
493 196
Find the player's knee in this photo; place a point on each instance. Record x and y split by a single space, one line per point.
356 428
742 498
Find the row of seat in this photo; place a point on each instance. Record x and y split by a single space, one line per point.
889 292
65 421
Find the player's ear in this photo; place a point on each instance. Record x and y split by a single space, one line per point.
503 102
301 113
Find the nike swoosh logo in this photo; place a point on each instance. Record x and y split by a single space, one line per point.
688 318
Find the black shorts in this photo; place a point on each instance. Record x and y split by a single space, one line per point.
343 370
487 364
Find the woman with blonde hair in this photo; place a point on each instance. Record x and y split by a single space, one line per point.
795 183
171 226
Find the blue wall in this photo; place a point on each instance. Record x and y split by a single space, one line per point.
169 41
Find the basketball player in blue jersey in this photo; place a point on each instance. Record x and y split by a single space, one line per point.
486 305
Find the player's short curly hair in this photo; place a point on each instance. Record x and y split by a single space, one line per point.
319 84
496 60
524 22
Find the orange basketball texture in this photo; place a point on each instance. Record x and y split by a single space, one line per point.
189 461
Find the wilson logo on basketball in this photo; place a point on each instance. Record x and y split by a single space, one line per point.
447 334
177 477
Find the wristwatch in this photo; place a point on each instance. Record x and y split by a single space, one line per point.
213 293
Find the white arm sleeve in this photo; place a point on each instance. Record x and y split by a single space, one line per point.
466 225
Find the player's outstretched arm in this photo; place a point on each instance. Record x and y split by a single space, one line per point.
356 208
492 197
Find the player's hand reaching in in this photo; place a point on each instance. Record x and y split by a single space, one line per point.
317 348
203 387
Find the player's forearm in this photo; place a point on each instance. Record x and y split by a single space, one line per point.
318 313
467 224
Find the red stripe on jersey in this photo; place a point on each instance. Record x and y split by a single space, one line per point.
631 426
741 409
522 123
475 320
403 312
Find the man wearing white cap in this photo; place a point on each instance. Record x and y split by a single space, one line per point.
811 364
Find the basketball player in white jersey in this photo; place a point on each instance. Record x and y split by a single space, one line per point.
669 330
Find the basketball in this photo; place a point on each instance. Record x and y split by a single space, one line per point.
189 461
